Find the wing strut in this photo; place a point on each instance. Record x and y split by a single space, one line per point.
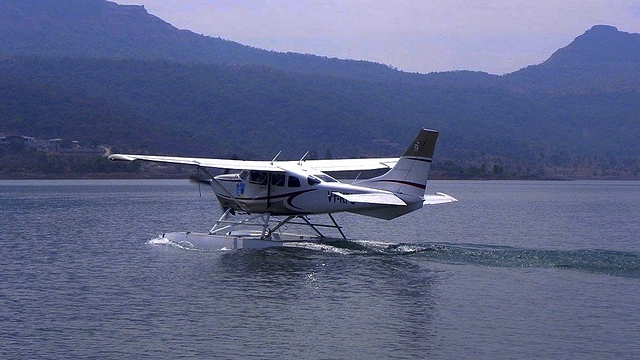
337 226
225 225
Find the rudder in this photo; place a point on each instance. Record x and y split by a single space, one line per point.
409 175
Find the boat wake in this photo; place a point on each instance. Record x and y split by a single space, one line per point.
607 262
182 245
616 263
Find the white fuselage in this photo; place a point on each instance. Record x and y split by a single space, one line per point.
293 192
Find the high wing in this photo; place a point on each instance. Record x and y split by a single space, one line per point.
333 165
319 165
204 162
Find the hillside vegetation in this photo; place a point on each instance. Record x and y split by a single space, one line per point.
113 75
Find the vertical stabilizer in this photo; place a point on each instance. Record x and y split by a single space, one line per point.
409 175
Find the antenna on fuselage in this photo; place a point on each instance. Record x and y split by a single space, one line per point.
216 185
275 157
357 176
302 158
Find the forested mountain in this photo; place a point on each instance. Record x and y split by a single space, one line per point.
603 59
113 75
103 29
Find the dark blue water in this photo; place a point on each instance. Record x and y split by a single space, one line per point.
514 270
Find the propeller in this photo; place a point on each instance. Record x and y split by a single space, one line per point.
197 178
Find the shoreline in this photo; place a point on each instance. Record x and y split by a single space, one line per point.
186 176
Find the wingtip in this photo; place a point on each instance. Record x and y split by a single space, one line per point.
120 157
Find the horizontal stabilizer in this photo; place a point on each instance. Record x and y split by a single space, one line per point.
372 198
438 198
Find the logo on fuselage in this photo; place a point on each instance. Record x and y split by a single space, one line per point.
240 189
333 198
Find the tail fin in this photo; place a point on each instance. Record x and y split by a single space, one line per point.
409 175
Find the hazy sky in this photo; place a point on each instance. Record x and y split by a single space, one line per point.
495 36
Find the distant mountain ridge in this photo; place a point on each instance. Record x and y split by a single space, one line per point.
100 29
603 59
598 45
103 29
113 74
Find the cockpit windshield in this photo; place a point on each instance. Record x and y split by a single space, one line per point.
312 180
258 177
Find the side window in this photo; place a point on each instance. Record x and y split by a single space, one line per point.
258 177
293 181
277 179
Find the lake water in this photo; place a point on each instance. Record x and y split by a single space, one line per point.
514 270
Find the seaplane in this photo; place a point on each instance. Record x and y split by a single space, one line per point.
261 198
